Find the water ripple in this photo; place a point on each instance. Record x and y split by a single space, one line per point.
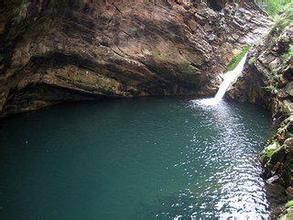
148 159
233 184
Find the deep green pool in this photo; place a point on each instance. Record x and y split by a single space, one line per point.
151 158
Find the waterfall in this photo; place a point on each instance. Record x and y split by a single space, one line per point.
228 79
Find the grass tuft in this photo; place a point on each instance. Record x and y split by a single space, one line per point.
236 60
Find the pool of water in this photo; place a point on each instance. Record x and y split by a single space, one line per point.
150 158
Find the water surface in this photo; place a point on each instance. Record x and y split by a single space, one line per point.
153 158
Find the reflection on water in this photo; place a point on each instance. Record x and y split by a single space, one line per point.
134 159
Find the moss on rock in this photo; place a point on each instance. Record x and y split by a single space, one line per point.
269 150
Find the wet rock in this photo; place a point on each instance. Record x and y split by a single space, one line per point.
288 106
288 73
272 179
289 144
288 215
289 89
282 94
276 212
277 197
289 192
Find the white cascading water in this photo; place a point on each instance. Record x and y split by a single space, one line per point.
229 78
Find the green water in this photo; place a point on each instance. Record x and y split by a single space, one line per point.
153 158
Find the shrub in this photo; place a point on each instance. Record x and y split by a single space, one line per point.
274 7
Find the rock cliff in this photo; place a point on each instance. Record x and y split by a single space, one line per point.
267 81
53 51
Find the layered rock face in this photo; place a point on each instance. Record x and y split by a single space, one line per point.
267 81
53 51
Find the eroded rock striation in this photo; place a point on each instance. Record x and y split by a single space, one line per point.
267 81
53 51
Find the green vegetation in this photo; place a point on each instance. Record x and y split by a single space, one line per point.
285 19
271 88
288 54
235 61
252 60
289 204
274 7
290 51
268 152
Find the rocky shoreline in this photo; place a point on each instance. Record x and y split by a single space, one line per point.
267 82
